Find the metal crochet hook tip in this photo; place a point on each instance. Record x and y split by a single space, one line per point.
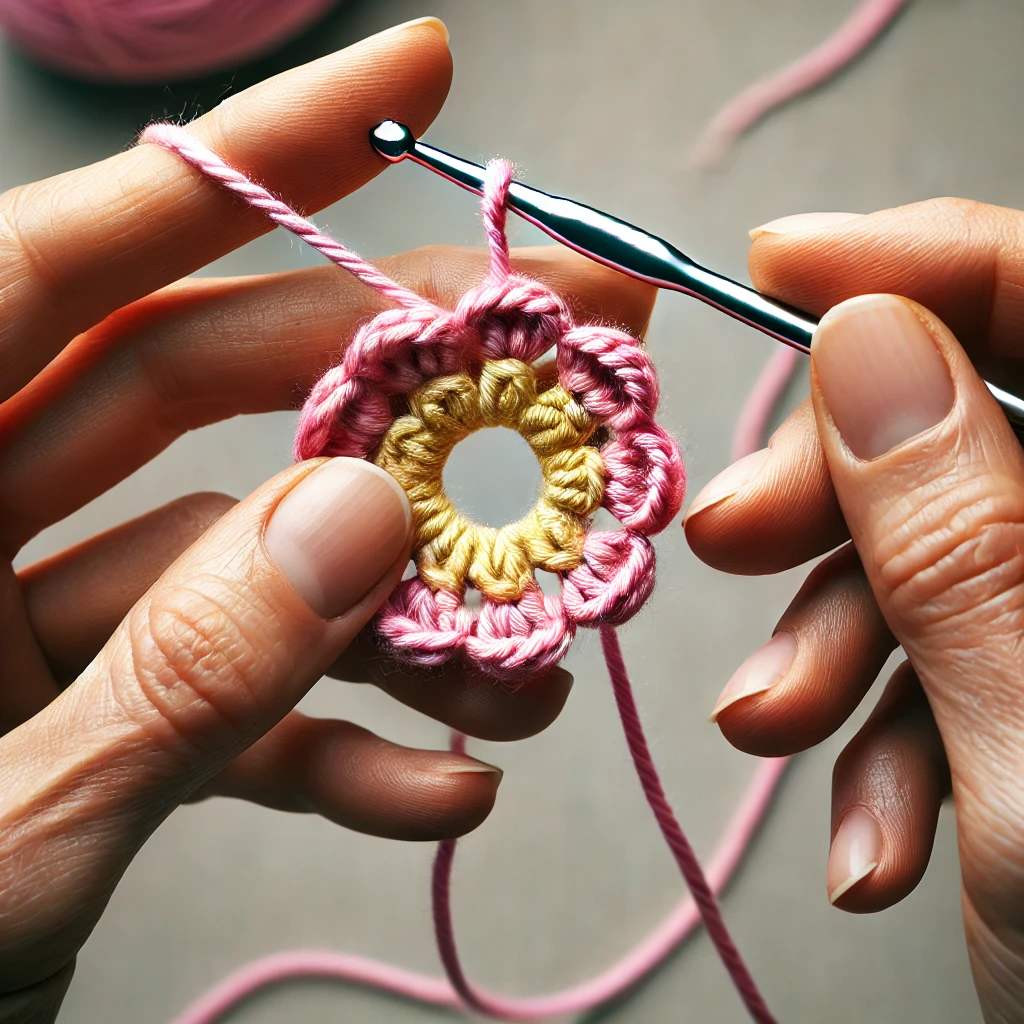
629 249
393 141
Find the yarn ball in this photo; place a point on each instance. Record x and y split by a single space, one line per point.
140 41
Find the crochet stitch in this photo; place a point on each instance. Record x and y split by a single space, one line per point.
415 381
591 427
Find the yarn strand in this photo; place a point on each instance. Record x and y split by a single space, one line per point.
193 152
686 859
854 37
633 407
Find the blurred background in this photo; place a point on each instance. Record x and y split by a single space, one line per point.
601 101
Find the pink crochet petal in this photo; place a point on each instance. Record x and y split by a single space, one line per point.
342 418
400 348
424 627
516 638
615 578
644 479
348 412
514 318
611 373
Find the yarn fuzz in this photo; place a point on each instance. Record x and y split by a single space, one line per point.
140 41
588 416
417 379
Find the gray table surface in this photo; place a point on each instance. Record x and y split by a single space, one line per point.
598 100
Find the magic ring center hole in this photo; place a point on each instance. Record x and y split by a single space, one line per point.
492 477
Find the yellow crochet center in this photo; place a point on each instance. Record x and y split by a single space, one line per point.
451 550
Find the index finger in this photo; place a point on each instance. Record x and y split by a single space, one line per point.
963 260
75 247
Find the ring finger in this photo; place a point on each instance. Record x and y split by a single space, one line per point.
827 650
887 788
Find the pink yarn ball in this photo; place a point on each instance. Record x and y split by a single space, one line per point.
138 41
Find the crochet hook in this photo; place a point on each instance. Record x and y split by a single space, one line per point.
629 249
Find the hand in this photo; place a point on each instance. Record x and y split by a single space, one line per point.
902 450
160 662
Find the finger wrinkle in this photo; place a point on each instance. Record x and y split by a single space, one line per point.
950 546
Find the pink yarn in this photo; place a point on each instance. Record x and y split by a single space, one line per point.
645 479
613 376
686 859
611 984
137 41
862 28
203 159
507 640
615 578
517 639
752 423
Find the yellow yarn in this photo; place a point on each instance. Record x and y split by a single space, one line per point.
450 549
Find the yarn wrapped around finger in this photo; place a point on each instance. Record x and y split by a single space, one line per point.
590 425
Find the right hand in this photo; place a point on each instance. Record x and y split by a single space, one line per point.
901 451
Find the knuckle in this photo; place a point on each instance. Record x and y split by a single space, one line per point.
198 512
202 662
956 553
956 208
21 259
962 215
433 270
172 387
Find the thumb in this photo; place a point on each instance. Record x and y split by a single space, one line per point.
218 651
931 482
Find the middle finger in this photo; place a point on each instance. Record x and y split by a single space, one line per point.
205 350
772 510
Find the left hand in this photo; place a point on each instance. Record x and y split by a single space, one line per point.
161 662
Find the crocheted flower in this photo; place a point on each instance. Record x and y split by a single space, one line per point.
417 380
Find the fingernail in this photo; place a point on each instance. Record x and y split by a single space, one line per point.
430 22
336 533
802 222
760 672
731 480
476 767
881 375
854 853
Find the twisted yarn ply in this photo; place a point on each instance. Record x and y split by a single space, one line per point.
479 366
413 382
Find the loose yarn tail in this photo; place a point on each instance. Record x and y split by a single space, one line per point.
689 865
750 432
861 29
458 992
703 906
677 926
